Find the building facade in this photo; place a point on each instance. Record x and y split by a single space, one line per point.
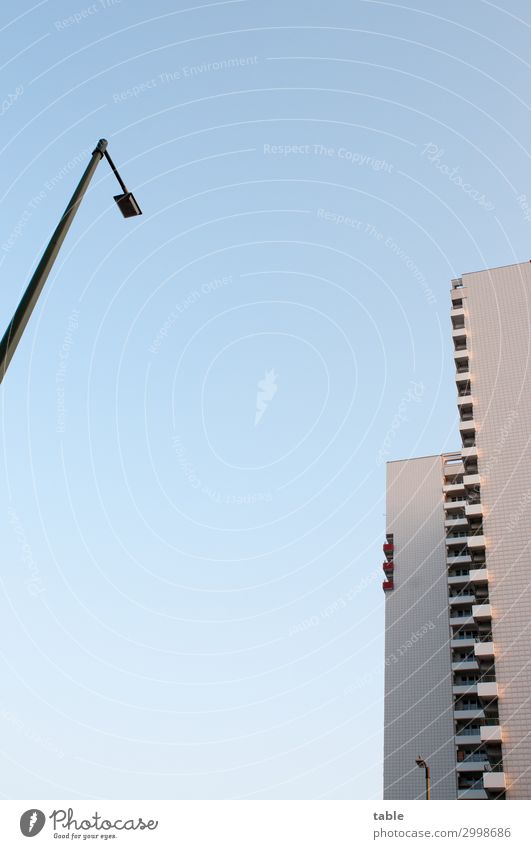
458 554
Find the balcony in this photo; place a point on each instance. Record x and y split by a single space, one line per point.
487 690
482 611
463 642
388 566
456 539
471 480
458 580
476 541
478 576
473 763
388 585
471 793
484 649
462 599
388 548
460 621
470 452
454 488
456 522
459 333
494 781
468 739
469 713
469 689
458 559
464 399
491 734
465 666
456 312
466 426
453 503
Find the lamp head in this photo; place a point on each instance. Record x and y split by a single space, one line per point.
420 761
127 205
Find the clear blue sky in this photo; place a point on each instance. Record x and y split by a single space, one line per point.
195 425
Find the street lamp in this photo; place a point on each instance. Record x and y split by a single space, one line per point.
127 206
423 765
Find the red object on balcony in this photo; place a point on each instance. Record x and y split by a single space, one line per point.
388 547
388 566
388 585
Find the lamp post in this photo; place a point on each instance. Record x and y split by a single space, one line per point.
423 765
127 206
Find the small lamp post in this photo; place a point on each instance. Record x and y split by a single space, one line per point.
423 765
127 206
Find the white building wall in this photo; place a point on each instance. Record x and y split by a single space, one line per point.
418 677
498 321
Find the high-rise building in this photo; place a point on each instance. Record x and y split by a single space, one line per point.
458 568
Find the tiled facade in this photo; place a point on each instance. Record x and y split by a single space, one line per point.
418 683
467 517
497 306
